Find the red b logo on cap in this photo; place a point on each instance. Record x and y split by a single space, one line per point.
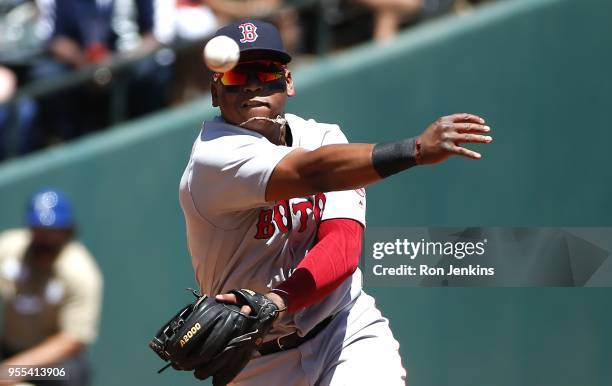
249 32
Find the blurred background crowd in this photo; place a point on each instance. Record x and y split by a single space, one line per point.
72 67
69 68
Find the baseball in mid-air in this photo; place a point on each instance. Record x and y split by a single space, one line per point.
221 54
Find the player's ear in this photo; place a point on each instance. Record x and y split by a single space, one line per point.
289 82
213 92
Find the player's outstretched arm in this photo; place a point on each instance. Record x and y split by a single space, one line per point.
351 166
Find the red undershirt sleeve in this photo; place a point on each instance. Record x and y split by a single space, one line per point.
332 260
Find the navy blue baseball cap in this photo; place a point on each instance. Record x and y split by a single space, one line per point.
49 208
257 40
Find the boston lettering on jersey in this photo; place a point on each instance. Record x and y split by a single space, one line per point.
280 216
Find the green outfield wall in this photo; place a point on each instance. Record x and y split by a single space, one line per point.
538 71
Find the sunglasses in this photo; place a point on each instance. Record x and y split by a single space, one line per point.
265 72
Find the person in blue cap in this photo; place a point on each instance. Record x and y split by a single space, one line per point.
51 290
275 203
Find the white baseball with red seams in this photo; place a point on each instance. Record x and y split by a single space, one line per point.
221 54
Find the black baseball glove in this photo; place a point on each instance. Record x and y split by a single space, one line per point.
215 339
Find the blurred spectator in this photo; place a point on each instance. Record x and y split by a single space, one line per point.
100 32
89 32
185 24
23 29
183 20
22 32
134 22
16 117
390 15
51 290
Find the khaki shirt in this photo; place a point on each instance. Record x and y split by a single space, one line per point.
38 305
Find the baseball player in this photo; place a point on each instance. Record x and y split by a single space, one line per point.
276 204
51 293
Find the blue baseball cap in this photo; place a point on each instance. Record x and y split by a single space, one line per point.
256 39
49 208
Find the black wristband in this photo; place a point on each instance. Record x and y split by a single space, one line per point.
389 158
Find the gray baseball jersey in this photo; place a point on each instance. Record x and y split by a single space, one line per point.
238 240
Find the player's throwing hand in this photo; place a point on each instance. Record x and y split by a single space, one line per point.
443 138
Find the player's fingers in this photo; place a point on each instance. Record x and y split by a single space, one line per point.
226 298
231 299
465 117
471 128
469 138
464 152
245 309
